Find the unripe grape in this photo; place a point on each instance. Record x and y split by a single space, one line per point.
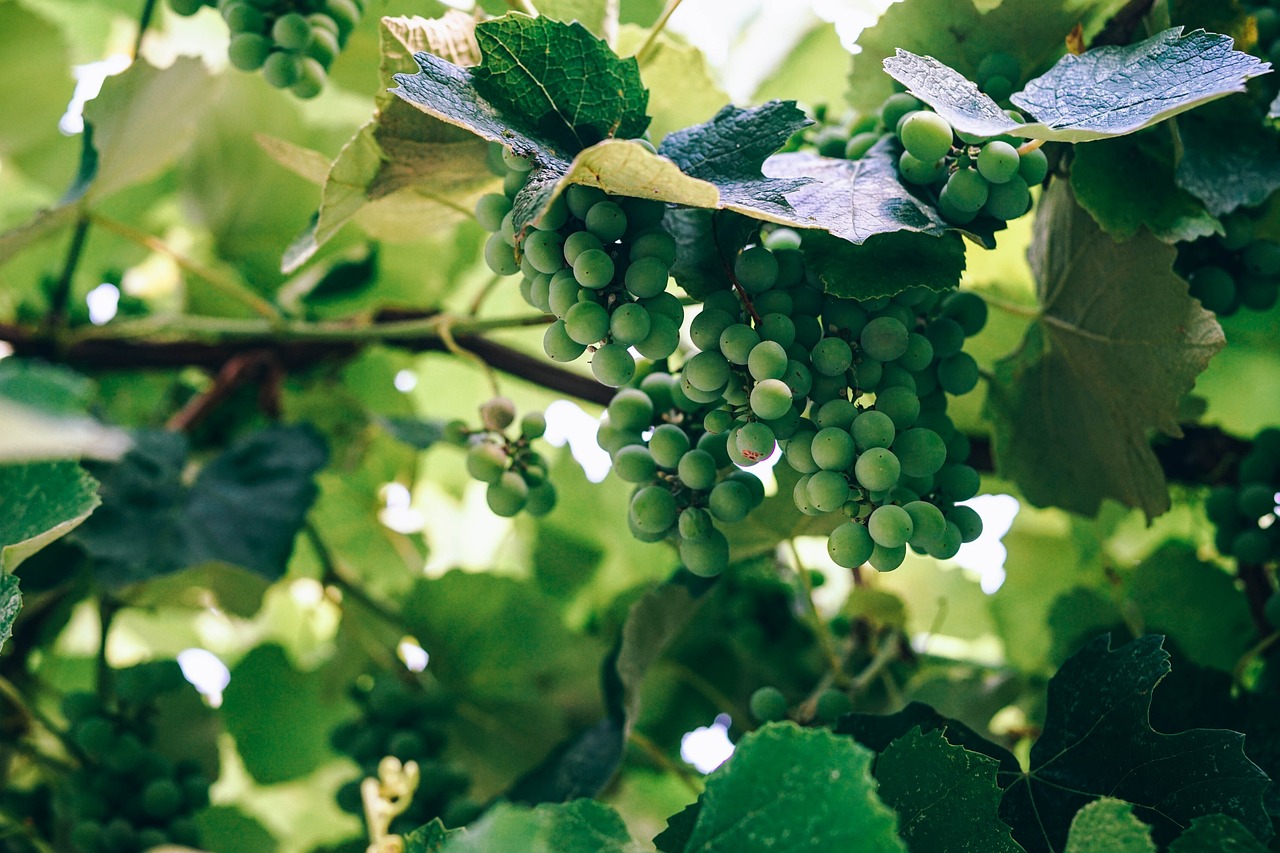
768 705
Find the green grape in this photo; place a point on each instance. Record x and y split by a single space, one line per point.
919 353
967 309
593 268
836 413
668 444
1215 288
606 220
958 482
701 398
799 452
707 371
730 501
767 360
486 461
890 526
927 524
967 521
717 421
756 441
827 490
557 344
323 46
577 243
185 8
291 31
1033 167
1238 231
967 190
562 293
921 172
755 488
927 136
515 161
243 18
248 51
922 452
587 322
768 705
545 250
884 339
631 409
630 323
877 470
1256 500
831 357
831 705
646 276
491 208
706 557
311 77
554 216
958 374
705 329
884 559
998 64
612 365
756 270
895 107
901 405
500 257
859 144
774 302
1008 200
533 425
666 304
832 449
999 88
872 429
497 413
697 470
281 70
737 341
634 464
94 736
770 399
663 339
798 379
718 447
952 212
867 374
694 523
948 545
513 181
345 13
998 162
778 328
581 198
850 545
1263 258
654 244
162 799
654 509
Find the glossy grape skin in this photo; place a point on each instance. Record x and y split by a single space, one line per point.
927 136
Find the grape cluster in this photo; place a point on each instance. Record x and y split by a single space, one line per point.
515 472
599 263
125 796
1233 270
1244 513
769 705
684 479
969 178
292 42
406 721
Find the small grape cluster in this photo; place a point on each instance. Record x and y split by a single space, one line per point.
515 473
292 42
685 481
599 263
1245 513
769 705
1237 269
125 796
405 721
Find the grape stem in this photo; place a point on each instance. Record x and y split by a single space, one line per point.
60 299
332 575
144 22
1029 146
446 335
820 627
108 607
728 271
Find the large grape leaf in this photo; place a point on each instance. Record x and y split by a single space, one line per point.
41 502
1229 158
819 796
401 167
878 731
1105 92
946 797
1108 826
1127 184
1098 742
885 265
1117 343
244 508
582 826
1216 834
962 33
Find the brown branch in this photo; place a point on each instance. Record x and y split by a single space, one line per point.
237 371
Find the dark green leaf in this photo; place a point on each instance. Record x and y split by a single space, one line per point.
1102 367
1108 826
428 838
819 796
41 502
583 826
10 604
280 716
675 838
1229 158
1105 92
886 264
236 830
652 623
1216 834
1127 184
1097 742
245 507
43 386
946 797
877 731
707 242
580 767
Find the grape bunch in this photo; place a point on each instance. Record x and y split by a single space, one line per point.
406 721
769 705
1237 269
599 263
684 479
969 178
515 473
1244 514
852 393
292 42
126 796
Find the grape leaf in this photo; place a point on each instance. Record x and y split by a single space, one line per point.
10 604
44 415
1229 158
1101 367
1127 184
428 838
1105 92
878 731
582 826
1216 834
1098 741
858 199
946 797
35 82
41 502
884 265
401 165
245 507
1108 826
820 796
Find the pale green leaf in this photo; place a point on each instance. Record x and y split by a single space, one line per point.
39 503
1104 364
1108 826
